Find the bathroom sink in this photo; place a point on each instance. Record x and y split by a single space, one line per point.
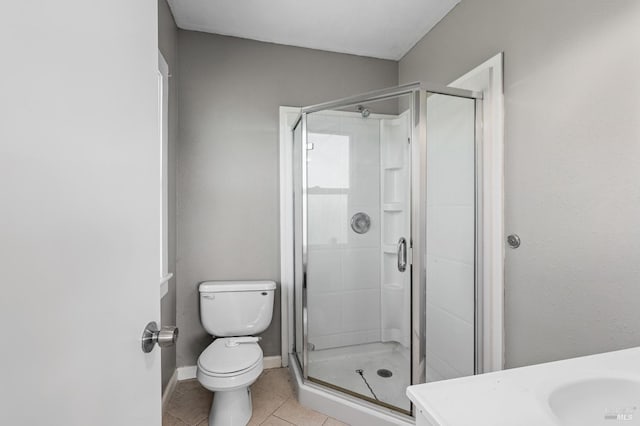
597 401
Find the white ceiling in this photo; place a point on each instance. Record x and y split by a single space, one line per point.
379 28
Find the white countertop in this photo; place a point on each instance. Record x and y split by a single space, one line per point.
517 396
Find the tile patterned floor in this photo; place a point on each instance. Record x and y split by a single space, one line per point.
273 404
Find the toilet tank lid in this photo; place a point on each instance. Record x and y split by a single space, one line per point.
228 286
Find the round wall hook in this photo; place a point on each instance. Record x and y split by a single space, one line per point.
514 241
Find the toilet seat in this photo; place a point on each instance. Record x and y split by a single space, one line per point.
224 368
220 360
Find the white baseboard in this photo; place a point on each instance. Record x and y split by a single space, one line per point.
168 391
189 372
272 362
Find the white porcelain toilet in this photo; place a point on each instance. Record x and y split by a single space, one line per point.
233 311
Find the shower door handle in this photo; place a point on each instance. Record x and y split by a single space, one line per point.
402 254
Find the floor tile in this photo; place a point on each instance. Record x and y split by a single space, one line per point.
184 386
333 422
276 421
169 420
191 406
264 404
274 380
295 413
272 397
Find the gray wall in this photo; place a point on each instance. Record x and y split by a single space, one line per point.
228 191
572 110
168 45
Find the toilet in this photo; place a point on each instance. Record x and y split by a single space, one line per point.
233 311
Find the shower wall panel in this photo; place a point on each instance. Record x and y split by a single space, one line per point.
450 237
395 169
343 267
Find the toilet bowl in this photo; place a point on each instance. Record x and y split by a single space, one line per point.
229 370
234 361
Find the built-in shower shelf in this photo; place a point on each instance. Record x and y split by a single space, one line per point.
392 207
393 167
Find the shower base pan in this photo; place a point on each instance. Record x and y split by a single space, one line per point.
342 406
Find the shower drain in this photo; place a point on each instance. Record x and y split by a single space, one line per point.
383 372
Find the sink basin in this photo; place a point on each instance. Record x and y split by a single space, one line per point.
606 401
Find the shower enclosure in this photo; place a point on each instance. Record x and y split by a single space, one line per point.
386 243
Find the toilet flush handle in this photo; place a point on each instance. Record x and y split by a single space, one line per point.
235 341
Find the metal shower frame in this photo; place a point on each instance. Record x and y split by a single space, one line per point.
419 92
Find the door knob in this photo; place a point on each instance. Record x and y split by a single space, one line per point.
166 336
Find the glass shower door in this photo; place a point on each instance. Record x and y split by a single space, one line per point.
358 281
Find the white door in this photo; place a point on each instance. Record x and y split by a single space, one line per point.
79 212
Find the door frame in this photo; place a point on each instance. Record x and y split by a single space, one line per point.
488 79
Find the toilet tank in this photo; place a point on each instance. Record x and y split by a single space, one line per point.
236 308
